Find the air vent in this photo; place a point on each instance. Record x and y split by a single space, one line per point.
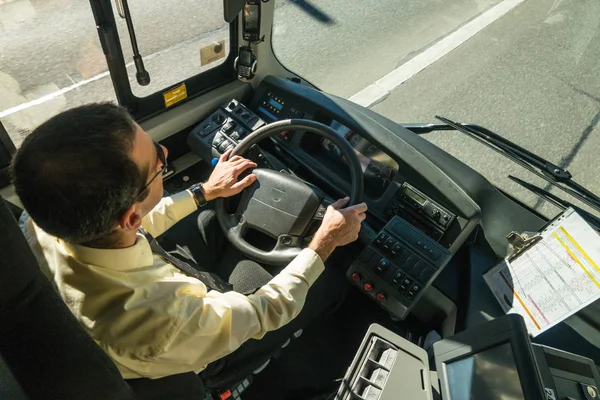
374 370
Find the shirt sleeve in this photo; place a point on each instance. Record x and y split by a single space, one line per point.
168 212
216 324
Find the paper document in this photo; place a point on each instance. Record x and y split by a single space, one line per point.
555 278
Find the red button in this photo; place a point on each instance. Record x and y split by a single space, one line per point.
381 297
355 276
368 287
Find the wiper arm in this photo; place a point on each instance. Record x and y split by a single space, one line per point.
557 201
551 173
544 194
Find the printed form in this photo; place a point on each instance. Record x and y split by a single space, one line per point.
555 278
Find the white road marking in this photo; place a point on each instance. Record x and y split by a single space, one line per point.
50 96
382 87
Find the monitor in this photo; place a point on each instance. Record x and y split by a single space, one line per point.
493 361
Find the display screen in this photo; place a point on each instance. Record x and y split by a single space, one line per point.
377 166
490 374
251 17
415 196
278 106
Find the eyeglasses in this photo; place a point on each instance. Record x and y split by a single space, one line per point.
163 166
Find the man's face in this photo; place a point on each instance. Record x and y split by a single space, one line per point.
145 156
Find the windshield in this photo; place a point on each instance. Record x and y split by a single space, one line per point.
525 69
51 58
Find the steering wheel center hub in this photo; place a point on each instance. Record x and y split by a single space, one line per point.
279 204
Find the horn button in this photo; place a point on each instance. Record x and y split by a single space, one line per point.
279 204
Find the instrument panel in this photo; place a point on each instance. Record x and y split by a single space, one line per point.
377 166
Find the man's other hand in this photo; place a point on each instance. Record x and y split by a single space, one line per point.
223 182
340 226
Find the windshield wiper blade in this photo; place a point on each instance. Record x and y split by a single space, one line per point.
535 164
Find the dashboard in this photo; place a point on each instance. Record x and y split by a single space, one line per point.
416 227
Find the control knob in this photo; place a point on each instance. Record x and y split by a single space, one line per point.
436 213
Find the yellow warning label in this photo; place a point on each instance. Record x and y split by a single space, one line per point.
174 96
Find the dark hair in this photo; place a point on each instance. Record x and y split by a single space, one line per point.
74 174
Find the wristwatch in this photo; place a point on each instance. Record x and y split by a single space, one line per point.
198 193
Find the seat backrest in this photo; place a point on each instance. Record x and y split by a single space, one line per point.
42 346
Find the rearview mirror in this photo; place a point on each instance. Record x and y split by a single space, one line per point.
231 9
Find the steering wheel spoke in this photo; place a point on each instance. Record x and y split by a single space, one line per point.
281 205
285 242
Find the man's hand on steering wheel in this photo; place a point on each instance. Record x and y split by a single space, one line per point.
223 182
340 226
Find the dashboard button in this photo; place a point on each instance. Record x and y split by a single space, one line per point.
388 244
355 276
217 141
396 250
379 240
368 287
381 266
410 262
413 291
223 146
381 297
403 256
397 277
228 127
404 284
415 269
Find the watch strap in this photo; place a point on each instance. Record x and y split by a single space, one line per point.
198 193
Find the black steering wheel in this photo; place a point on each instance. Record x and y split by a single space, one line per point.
281 205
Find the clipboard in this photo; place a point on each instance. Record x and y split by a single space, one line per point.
550 275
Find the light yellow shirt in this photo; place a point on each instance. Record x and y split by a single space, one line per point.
151 319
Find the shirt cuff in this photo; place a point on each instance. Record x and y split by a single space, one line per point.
183 203
307 264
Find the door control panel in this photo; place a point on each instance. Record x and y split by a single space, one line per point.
398 265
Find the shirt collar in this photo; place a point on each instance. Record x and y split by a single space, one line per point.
136 256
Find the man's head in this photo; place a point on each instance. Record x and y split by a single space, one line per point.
85 173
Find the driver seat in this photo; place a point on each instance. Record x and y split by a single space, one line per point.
46 354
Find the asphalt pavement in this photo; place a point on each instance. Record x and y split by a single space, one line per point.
531 76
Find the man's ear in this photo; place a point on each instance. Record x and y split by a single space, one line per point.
131 219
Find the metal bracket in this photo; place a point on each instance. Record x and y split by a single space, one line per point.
519 243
